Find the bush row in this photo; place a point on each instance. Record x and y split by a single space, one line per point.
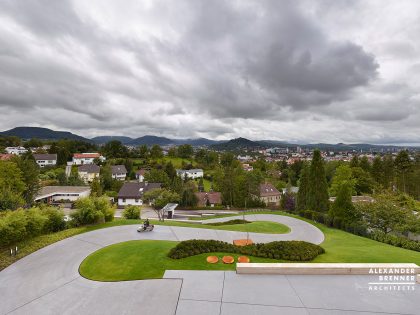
18 225
360 228
395 240
286 250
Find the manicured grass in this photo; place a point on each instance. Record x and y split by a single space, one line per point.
136 260
207 185
267 227
341 246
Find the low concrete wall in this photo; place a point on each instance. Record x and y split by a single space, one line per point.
326 269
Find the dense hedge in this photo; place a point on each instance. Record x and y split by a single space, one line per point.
395 240
287 250
230 222
360 228
21 224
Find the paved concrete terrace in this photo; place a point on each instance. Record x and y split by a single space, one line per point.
48 282
226 293
49 278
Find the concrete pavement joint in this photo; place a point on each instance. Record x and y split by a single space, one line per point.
41 296
89 242
221 297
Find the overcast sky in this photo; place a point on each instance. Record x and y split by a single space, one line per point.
331 71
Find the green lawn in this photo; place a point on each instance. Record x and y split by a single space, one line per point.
267 227
136 260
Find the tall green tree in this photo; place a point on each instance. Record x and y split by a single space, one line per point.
388 171
318 187
342 206
403 166
156 152
364 164
343 174
303 193
30 175
377 170
12 186
354 161
185 151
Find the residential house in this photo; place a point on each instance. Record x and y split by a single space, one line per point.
191 174
140 174
45 159
88 172
86 158
16 150
269 194
51 194
246 167
209 199
119 172
131 193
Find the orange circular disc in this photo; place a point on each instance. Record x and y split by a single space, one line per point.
243 259
212 259
228 259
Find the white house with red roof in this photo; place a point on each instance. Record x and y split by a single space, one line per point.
86 158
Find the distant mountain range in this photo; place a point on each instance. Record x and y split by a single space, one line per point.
27 133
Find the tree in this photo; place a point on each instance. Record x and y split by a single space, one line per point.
159 198
170 170
364 164
403 166
354 161
201 185
388 171
156 152
115 149
302 196
12 186
189 199
377 170
185 151
385 214
343 207
96 188
157 176
318 187
363 181
30 176
342 175
74 178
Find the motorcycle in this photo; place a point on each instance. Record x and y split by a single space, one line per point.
147 229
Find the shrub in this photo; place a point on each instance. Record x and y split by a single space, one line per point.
93 210
35 222
13 227
131 212
287 250
55 219
395 240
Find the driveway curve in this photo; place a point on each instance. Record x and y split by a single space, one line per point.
48 280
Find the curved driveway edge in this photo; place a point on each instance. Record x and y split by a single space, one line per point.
48 281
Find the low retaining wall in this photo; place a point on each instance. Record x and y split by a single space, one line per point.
327 269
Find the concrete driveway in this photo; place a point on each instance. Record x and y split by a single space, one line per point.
48 281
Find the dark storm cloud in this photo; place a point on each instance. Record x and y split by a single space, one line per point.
162 65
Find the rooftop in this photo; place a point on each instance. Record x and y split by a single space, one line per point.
89 168
118 169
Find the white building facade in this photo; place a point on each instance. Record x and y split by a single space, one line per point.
16 150
190 174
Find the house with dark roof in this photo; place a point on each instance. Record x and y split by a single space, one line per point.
269 194
45 159
119 172
206 199
131 193
88 172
